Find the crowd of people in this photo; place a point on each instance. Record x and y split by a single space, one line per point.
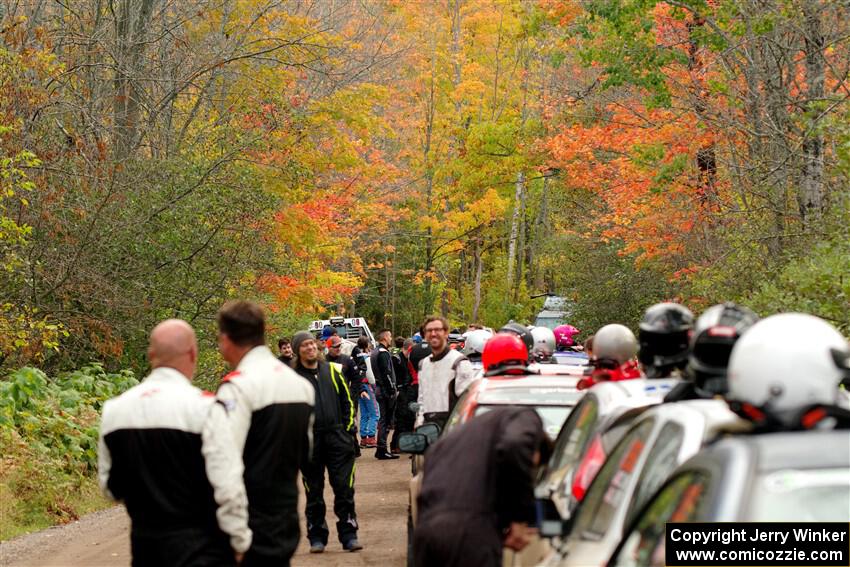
210 479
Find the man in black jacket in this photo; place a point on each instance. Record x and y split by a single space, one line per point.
334 447
404 418
488 466
351 373
386 390
350 370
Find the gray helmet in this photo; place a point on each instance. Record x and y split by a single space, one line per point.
615 342
474 345
544 343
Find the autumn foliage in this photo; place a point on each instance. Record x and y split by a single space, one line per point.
391 159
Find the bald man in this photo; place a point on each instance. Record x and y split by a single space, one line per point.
166 452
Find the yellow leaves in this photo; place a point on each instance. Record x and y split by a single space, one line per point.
26 334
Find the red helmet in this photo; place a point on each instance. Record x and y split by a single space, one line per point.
504 349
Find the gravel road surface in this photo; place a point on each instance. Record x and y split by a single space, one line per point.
102 539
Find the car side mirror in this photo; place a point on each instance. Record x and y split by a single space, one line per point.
430 430
549 520
414 443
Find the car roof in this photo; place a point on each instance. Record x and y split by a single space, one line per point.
633 393
770 452
712 415
552 314
557 391
571 357
801 449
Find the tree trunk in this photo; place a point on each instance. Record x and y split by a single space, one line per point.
521 246
428 304
476 305
811 182
456 50
540 230
130 26
515 220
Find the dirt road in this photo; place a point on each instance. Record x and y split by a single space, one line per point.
102 539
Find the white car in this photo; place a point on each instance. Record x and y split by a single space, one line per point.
801 476
658 441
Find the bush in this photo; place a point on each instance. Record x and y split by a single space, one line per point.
50 427
816 283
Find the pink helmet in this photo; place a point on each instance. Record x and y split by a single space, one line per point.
564 335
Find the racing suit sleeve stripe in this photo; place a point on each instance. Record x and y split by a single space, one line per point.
346 402
238 413
224 471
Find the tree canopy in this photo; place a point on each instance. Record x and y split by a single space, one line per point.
390 159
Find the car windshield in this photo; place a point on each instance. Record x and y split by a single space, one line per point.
553 417
347 331
802 496
549 322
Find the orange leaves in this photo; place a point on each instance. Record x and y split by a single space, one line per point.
563 11
310 293
641 164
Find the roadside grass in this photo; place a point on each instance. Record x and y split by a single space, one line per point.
32 498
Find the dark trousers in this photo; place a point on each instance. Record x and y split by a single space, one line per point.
405 418
181 548
254 559
275 535
385 423
332 450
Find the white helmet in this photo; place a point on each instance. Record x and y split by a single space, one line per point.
544 342
475 340
787 362
615 342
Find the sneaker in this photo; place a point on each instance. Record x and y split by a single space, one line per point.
352 545
395 451
371 442
317 547
364 442
384 455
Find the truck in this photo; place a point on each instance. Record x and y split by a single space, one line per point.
350 328
555 312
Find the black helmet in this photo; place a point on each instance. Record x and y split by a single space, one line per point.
665 333
715 333
522 332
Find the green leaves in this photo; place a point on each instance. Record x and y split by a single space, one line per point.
58 418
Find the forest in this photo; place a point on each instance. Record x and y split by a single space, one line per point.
394 158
